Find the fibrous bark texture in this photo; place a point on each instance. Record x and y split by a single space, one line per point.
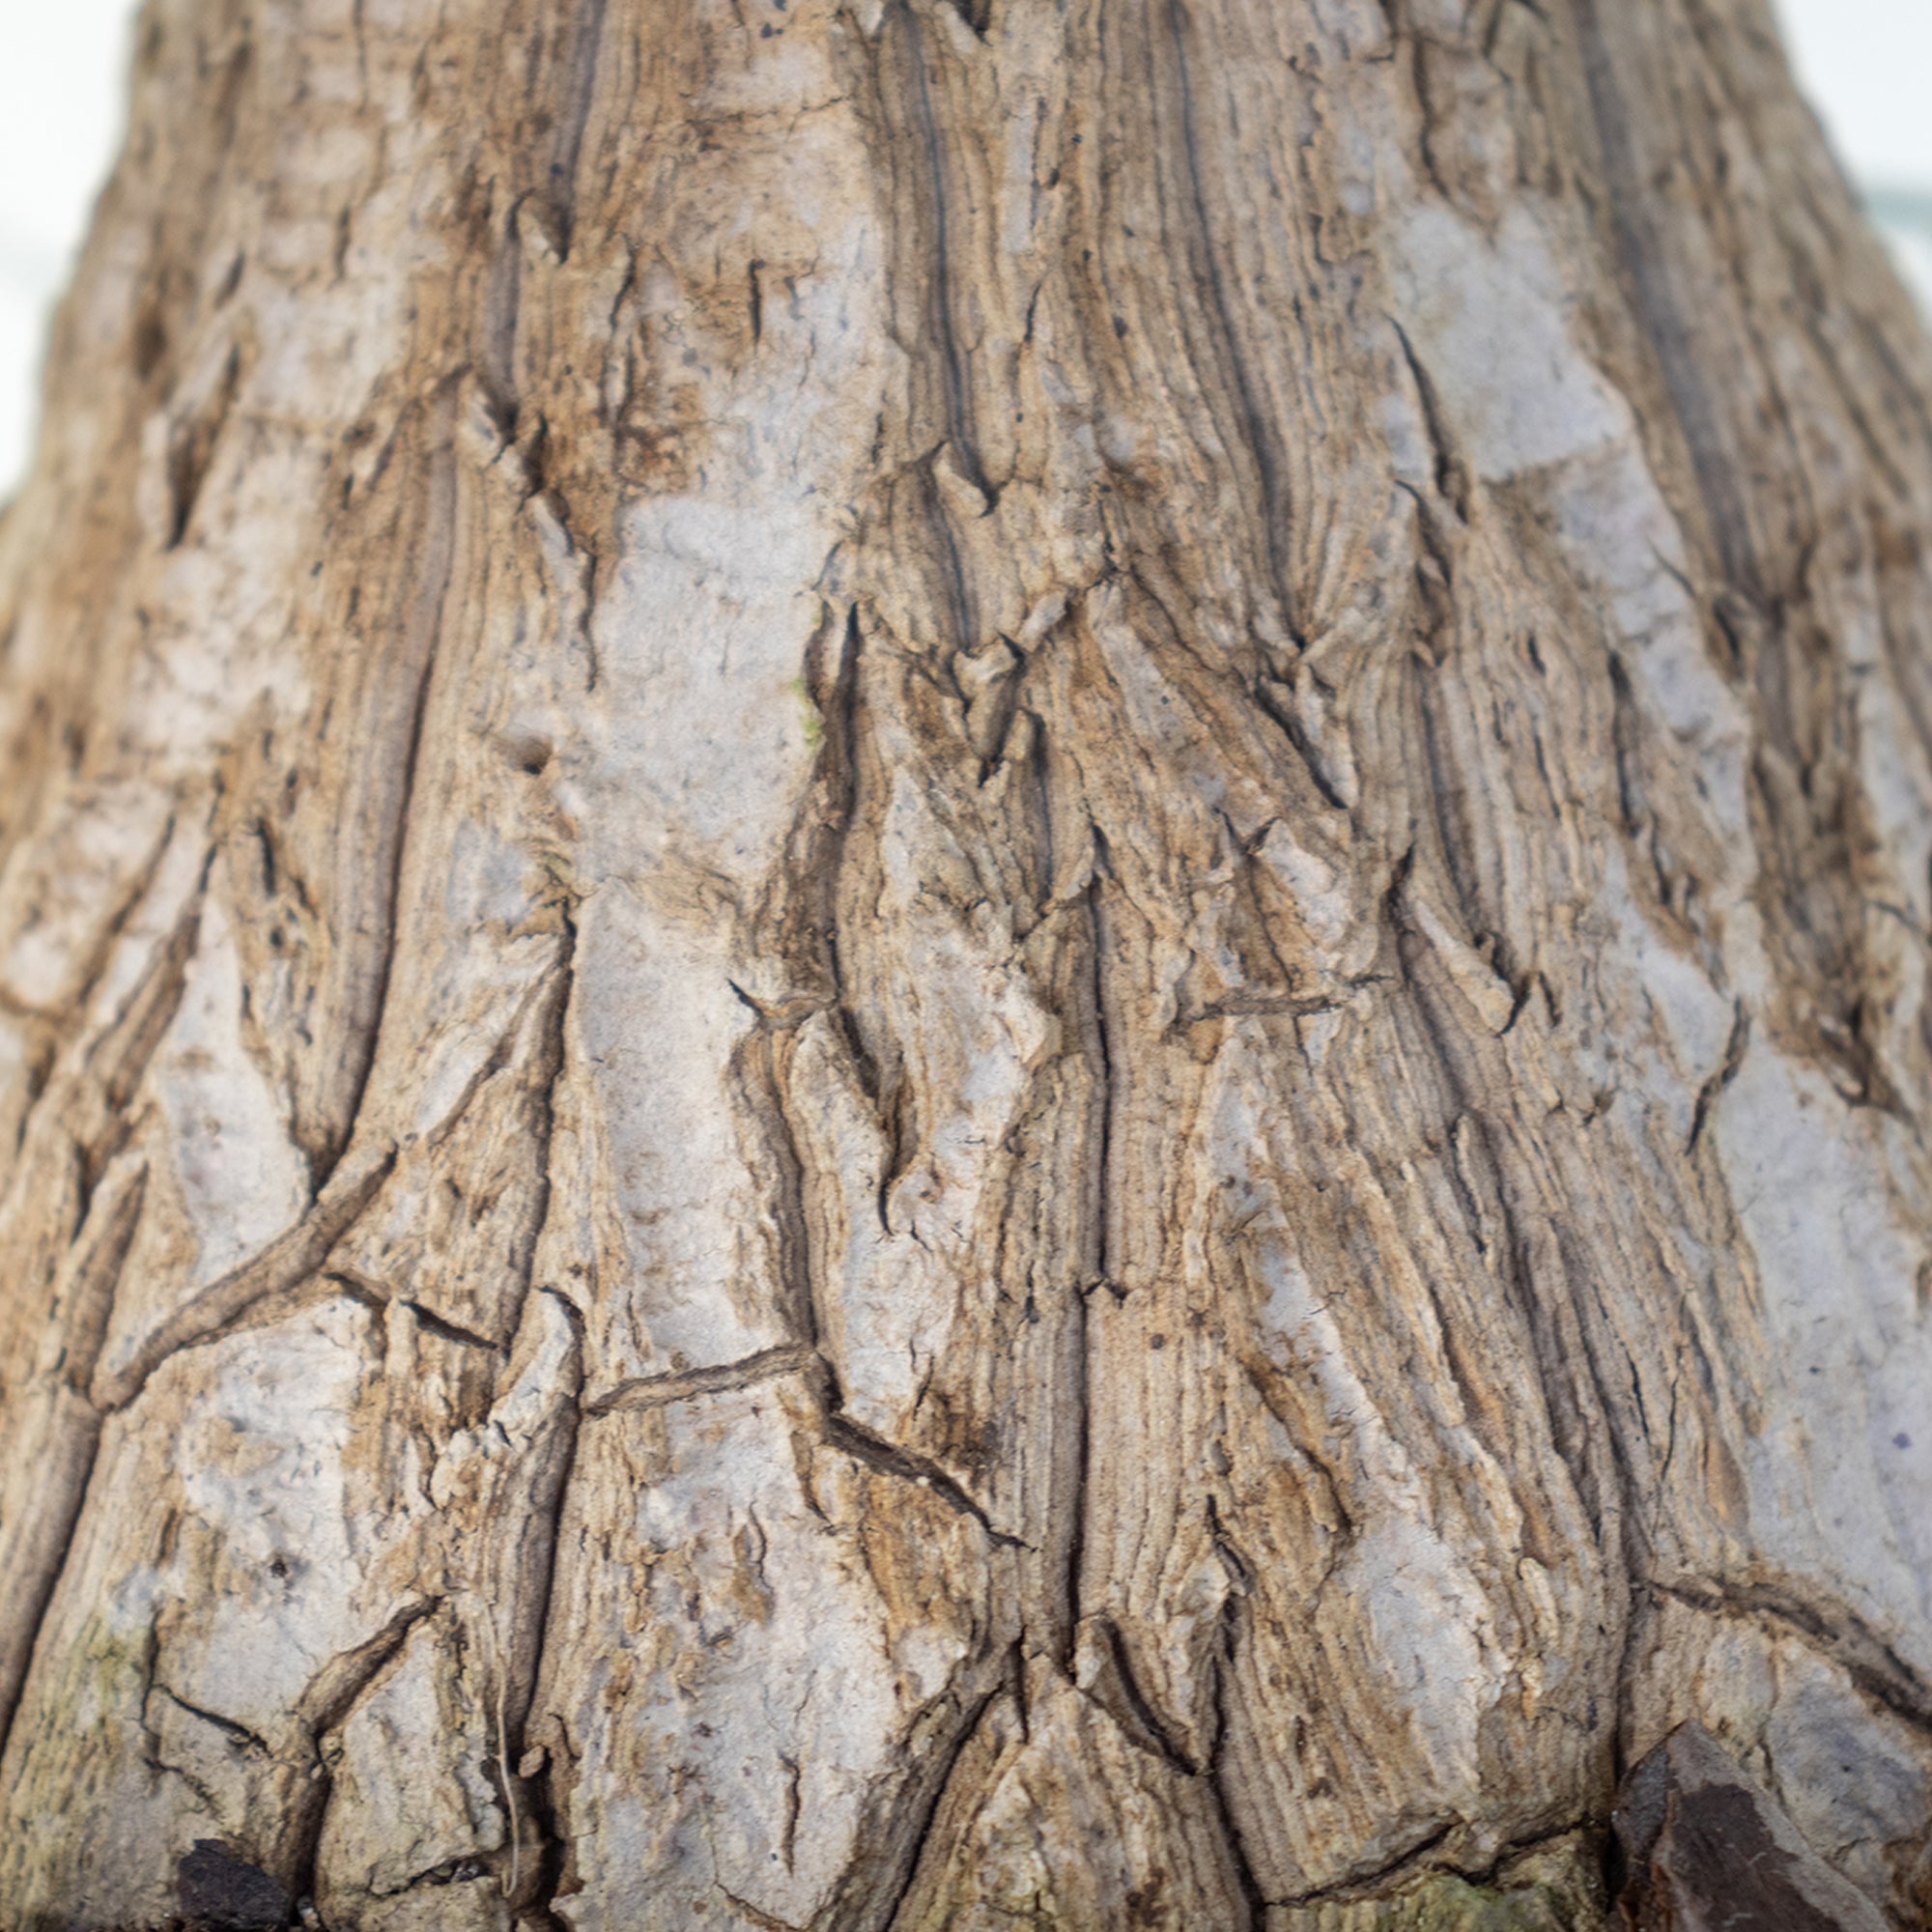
963 964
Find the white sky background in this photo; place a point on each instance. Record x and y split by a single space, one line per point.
62 69
1867 64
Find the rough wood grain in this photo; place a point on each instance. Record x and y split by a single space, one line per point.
963 966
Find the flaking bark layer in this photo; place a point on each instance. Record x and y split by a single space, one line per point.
963 966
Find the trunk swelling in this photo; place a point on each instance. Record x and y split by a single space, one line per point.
964 966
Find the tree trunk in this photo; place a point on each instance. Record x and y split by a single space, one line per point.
964 966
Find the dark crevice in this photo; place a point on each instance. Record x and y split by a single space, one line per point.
961 605
754 1066
753 1915
1380 1880
67 1471
1215 1782
40 1590
434 561
120 1058
1395 1875
955 389
1002 702
232 1729
541 1802
446 1331
97 1278
1101 1209
497 328
890 1459
976 13
876 1885
1117 1691
1518 1848
660 1391
1727 1072
1456 840
101 952
1095 1261
1215 1771
1625 746
336 1687
1259 1006
1452 476
803 929
65 1479
1077 1416
756 300
224 1306
1257 433
1426 114
501 1057
552 1060
789 1835
332 1696
840 705
1268 696
898 1111
1834 1631
191 441
584 40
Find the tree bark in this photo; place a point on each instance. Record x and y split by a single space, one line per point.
963 964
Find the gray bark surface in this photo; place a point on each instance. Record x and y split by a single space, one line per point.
963 966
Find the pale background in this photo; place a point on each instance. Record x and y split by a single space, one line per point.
1867 63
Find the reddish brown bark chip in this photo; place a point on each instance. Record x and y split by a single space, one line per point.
227 1895
1708 1851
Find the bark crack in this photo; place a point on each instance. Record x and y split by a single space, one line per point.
10 1690
1452 475
1216 1767
877 1886
953 365
324 1706
66 1483
1395 1875
584 38
225 1306
446 1329
660 1391
1712 1090
552 1064
230 1727
119 1059
1095 1264
752 1915
890 1459
190 452
1131 1707
329 1143
1378 1882
1833 1631
1257 433
1270 698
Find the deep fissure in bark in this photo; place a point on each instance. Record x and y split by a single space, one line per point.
964 965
